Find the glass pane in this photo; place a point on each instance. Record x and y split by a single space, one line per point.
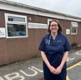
16 30
19 19
74 29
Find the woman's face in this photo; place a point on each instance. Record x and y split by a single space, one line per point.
54 27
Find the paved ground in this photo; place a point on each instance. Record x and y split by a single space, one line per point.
74 72
32 69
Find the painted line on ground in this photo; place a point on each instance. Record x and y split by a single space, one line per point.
77 64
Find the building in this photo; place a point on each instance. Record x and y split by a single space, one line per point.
22 27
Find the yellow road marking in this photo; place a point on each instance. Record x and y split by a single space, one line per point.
67 78
77 64
80 64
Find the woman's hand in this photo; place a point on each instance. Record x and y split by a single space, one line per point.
52 69
58 70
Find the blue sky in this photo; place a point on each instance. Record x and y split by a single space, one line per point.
71 7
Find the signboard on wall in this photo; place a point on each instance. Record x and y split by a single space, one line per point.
37 25
67 31
2 33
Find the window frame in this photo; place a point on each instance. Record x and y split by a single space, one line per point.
15 22
74 25
49 21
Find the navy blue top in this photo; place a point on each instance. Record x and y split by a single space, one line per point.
54 47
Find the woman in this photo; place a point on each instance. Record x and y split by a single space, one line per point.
54 49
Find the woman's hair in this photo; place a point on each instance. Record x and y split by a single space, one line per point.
60 27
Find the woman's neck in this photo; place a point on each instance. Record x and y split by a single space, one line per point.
54 35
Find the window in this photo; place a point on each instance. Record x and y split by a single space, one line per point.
74 27
49 21
16 26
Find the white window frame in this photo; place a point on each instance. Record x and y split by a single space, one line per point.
74 25
15 22
49 21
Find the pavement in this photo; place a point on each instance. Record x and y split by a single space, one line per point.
32 69
74 72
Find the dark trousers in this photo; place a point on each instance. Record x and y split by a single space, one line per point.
50 76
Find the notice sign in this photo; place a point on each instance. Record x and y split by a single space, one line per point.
67 31
37 25
2 32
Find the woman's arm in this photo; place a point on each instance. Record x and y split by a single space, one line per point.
59 68
64 59
51 68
